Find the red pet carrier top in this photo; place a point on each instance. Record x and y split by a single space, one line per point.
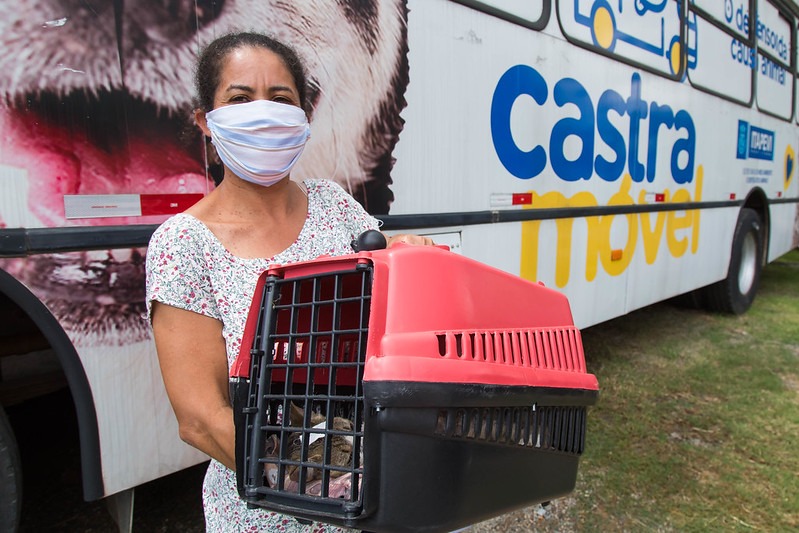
408 389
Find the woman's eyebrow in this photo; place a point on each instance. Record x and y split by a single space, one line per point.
281 88
235 87
248 89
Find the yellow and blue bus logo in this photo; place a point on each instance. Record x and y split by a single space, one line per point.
606 29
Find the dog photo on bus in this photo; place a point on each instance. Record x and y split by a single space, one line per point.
93 107
99 146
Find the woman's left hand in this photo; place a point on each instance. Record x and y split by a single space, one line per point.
406 238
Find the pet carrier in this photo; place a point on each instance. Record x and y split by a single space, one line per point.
407 389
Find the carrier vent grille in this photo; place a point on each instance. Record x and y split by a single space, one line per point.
305 415
551 428
552 349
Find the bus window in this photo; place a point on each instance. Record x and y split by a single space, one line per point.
774 77
796 84
731 14
645 33
724 62
530 14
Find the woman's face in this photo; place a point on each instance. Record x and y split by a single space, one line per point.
255 73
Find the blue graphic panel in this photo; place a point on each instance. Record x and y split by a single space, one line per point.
761 143
743 138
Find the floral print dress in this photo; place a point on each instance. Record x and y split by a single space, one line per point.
187 267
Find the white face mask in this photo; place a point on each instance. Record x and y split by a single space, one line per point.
259 141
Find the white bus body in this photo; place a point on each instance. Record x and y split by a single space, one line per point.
622 151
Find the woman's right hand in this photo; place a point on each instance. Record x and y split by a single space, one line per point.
407 238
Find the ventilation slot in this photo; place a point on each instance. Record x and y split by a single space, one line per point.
553 349
550 428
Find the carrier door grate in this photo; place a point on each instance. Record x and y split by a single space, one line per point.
305 407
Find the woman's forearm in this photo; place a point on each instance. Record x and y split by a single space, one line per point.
212 434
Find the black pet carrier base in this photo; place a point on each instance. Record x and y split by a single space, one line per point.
408 389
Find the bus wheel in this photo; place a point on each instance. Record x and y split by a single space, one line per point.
10 478
736 292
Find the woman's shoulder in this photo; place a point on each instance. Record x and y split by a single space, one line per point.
324 187
330 205
327 194
180 231
176 223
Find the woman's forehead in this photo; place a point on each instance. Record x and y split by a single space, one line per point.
254 64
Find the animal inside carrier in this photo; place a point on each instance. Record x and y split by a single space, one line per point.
407 389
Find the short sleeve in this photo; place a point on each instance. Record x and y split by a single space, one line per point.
348 211
177 269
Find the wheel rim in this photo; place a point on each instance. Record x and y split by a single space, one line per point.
746 274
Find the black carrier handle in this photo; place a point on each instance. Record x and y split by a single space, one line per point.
369 240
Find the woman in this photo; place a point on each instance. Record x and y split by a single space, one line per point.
202 265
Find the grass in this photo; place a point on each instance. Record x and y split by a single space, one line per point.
697 425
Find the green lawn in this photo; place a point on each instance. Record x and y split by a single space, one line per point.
697 425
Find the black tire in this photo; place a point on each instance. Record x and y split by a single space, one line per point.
10 478
737 291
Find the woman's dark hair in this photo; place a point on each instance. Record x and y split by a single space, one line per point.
209 64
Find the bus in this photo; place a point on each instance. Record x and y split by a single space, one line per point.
624 152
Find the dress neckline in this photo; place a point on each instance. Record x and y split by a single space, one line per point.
301 236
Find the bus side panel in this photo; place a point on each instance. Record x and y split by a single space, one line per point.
783 239
552 125
138 430
96 122
138 434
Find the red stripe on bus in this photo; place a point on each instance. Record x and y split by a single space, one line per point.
167 204
522 198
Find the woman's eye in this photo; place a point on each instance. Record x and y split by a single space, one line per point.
238 99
